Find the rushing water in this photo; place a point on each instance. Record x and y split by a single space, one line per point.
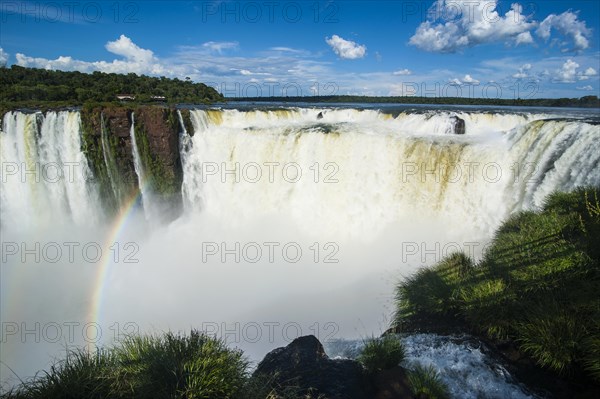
297 220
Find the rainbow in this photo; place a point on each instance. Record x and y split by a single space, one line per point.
106 262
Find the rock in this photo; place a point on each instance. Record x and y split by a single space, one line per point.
118 121
159 148
393 384
304 365
458 125
320 115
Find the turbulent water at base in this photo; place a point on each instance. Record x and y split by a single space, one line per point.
462 363
349 185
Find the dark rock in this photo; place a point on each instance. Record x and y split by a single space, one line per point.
304 364
320 115
458 125
118 121
393 384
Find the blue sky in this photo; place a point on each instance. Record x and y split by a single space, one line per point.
473 48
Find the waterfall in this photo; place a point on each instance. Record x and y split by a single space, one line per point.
362 170
341 184
140 172
346 172
46 175
109 161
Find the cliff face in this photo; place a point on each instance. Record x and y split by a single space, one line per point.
108 146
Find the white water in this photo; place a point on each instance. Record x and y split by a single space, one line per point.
372 170
381 195
147 195
109 161
45 175
462 364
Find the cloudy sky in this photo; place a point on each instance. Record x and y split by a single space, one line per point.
473 48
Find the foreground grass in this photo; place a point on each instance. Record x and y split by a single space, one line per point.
165 366
426 382
537 285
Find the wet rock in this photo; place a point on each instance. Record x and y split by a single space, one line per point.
304 364
458 125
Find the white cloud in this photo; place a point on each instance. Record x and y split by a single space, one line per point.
586 88
136 60
402 72
3 57
346 49
523 72
524 38
218 47
123 46
246 72
569 73
469 80
466 23
568 25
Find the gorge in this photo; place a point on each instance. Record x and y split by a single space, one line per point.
257 223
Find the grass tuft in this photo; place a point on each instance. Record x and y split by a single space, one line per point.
382 353
433 290
425 382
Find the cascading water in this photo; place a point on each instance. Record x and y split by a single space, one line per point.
109 161
354 172
45 175
347 192
146 194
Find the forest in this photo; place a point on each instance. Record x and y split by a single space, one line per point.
22 86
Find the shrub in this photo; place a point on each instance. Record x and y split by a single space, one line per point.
433 290
169 365
172 366
552 335
591 355
382 353
426 382
81 374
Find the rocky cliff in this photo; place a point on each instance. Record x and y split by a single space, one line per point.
108 145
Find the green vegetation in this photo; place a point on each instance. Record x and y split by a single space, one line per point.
426 382
166 366
382 353
160 177
187 121
537 285
34 88
584 102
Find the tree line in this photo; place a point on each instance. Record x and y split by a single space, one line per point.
22 85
